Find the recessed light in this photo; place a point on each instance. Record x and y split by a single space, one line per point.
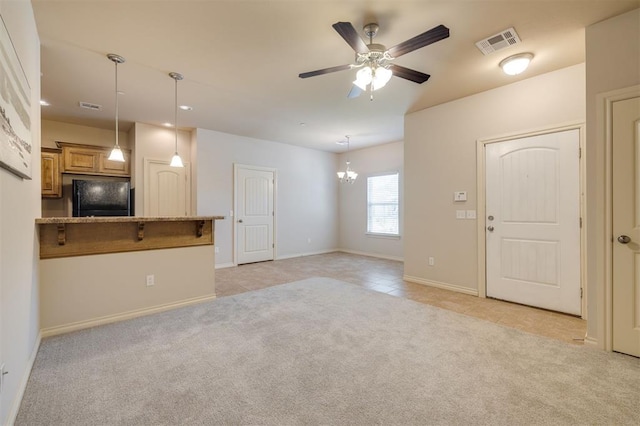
44 103
186 108
303 124
167 124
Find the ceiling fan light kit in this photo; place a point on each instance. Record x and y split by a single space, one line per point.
516 64
376 61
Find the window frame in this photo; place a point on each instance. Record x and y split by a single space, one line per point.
399 204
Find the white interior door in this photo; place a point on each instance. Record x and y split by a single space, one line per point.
254 214
166 189
533 221
626 226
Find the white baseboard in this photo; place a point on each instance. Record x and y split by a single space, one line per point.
592 342
438 284
22 387
379 256
311 253
66 328
224 265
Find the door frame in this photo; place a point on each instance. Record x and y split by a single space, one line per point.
146 180
481 207
604 130
236 167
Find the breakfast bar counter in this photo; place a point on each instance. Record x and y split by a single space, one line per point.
80 236
97 270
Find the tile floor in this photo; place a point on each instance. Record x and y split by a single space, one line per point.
386 276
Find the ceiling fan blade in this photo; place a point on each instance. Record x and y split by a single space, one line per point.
435 34
324 71
409 74
350 35
354 92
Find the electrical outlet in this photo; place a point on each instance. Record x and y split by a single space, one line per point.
217 249
309 240
432 261
151 280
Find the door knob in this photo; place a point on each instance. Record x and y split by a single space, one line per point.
239 220
490 228
623 239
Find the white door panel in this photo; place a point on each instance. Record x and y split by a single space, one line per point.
626 223
254 214
166 189
533 221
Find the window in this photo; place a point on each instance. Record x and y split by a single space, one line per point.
382 205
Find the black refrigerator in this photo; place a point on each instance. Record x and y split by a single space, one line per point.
101 198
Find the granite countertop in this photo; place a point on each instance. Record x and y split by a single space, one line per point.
120 219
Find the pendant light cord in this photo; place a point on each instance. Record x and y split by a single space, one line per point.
175 125
116 62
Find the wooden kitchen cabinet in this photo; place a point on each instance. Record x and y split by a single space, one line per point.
93 160
51 178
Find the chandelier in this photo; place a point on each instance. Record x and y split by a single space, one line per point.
348 176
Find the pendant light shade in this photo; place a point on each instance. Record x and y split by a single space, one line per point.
176 161
116 153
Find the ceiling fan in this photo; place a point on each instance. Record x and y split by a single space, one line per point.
376 61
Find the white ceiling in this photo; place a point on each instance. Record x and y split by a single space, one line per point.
241 61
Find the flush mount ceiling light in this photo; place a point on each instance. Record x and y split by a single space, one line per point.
176 161
348 176
516 64
116 152
44 103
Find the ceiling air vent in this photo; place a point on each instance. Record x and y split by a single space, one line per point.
499 41
91 106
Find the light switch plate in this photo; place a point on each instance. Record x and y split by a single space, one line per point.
471 214
461 214
460 196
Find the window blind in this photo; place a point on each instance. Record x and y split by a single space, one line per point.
382 204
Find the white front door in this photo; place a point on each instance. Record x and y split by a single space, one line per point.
626 226
166 189
533 221
254 214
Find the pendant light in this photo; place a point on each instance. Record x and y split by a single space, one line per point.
176 161
348 176
116 152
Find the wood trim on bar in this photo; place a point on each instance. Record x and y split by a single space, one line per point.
99 236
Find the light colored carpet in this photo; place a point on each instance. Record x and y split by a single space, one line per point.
321 351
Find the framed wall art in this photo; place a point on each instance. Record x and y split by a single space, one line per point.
15 110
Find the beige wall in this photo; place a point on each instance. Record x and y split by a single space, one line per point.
306 193
157 143
19 207
352 201
78 292
55 131
440 158
612 62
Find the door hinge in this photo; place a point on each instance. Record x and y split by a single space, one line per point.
273 245
580 152
580 222
580 292
273 213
